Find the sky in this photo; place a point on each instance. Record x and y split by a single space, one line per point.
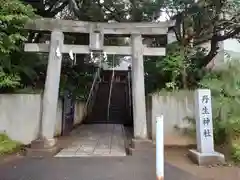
232 45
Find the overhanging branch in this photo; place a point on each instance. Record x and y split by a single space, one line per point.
213 51
75 7
229 35
115 15
60 8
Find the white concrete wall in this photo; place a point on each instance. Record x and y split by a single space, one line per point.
20 116
79 112
175 107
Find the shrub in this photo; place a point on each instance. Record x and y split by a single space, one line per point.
225 88
9 80
236 152
8 146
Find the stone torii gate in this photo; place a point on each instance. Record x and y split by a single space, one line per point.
96 33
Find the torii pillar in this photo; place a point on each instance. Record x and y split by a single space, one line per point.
46 144
138 89
51 90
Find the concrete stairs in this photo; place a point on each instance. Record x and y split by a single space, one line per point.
118 112
42 149
99 111
137 147
141 147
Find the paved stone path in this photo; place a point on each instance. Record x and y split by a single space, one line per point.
90 168
96 140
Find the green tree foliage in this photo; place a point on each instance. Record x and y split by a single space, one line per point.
77 82
179 69
9 80
117 10
47 8
201 22
96 10
204 20
13 15
225 88
196 23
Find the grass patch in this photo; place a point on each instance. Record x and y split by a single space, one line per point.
236 153
8 146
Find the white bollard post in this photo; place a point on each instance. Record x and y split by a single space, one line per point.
159 148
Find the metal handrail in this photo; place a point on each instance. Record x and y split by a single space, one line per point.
92 88
110 94
110 90
129 92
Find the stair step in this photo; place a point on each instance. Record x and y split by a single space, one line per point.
142 144
117 108
42 153
141 152
141 147
116 112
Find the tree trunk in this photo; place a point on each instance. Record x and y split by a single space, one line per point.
184 78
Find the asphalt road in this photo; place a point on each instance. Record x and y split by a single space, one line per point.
89 168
